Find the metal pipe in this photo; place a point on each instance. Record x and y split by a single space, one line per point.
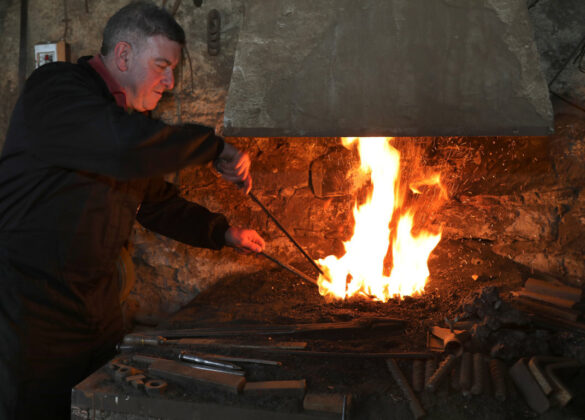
478 374
442 370
255 199
418 375
498 374
415 406
465 374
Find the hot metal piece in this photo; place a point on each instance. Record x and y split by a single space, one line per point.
415 405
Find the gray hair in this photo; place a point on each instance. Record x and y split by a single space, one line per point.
137 21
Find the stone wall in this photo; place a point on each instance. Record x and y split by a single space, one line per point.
522 195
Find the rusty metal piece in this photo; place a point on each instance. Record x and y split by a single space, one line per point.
418 375
443 369
143 340
478 374
498 375
277 223
465 374
558 290
137 381
450 338
155 387
535 364
415 406
430 368
122 370
529 387
545 309
561 394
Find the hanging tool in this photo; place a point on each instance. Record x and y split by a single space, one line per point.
255 199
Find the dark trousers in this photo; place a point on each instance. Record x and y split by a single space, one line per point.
46 350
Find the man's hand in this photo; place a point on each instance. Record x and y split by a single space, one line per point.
244 240
234 166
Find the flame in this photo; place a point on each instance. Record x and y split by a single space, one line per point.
380 224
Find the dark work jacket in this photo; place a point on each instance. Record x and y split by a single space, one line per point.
76 171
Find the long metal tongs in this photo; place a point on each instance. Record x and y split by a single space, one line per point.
288 235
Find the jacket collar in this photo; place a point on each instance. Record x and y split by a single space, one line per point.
115 89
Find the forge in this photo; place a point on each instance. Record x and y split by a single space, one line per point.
458 327
509 219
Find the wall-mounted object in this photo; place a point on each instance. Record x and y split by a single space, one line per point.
213 30
48 53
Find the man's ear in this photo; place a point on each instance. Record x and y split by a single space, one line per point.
122 54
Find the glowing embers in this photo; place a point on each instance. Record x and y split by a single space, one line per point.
386 256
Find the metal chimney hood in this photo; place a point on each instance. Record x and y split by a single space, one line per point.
329 68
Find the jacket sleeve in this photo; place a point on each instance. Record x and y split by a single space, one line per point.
72 123
165 212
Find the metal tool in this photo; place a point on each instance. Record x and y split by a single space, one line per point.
291 269
189 357
217 369
143 340
255 199
245 360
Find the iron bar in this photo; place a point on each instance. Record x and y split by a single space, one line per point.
291 269
255 199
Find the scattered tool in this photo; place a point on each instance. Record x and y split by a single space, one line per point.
192 358
255 199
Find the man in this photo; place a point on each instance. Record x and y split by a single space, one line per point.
80 164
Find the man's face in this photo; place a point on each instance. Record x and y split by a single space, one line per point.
150 72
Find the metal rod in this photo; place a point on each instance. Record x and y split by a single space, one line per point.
255 199
415 406
192 358
291 269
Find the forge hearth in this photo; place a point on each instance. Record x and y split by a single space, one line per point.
515 211
466 278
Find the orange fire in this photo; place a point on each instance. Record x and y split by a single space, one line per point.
381 223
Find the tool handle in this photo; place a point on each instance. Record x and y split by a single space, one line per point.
255 199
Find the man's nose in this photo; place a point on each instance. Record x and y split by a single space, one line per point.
169 78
